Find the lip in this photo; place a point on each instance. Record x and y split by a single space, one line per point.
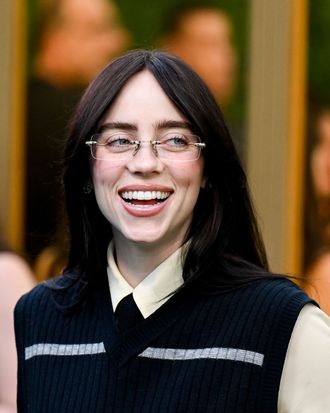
145 187
144 211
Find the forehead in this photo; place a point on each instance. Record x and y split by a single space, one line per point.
87 12
142 99
207 23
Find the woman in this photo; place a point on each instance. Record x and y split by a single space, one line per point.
159 212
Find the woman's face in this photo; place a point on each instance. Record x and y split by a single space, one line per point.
145 198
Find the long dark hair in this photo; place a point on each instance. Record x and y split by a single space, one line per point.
226 249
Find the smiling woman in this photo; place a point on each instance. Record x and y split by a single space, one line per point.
145 170
166 301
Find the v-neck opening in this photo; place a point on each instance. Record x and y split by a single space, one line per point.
121 347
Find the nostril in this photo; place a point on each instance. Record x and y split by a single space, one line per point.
145 161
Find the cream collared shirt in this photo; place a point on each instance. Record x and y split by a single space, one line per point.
305 381
153 291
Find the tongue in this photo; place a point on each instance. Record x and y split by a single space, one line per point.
144 202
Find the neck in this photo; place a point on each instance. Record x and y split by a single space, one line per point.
136 261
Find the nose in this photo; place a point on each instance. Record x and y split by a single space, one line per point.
145 160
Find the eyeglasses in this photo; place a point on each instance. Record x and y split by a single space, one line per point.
121 146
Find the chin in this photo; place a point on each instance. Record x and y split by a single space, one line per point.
145 239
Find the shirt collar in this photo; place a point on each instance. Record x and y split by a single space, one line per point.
154 290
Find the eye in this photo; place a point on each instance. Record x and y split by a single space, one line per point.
117 140
175 140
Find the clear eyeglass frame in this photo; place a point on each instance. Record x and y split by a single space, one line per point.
124 151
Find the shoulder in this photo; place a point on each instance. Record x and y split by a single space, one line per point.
275 290
280 297
274 306
34 300
271 303
267 302
49 295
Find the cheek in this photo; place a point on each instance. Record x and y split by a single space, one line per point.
104 181
103 190
190 175
104 173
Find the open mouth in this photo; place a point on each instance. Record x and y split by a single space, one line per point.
144 197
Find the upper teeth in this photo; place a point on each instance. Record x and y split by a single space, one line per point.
144 195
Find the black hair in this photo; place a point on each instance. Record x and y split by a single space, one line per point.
225 249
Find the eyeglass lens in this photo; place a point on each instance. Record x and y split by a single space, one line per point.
121 146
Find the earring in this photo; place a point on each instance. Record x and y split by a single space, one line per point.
87 188
207 186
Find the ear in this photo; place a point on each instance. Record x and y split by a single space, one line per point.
204 182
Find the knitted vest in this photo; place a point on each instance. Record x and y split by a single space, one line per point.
221 353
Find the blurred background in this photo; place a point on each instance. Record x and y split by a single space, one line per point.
267 64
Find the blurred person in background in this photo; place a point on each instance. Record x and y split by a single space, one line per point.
79 37
318 277
320 172
202 35
318 267
16 279
75 39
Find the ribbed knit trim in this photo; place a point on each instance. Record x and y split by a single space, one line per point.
273 368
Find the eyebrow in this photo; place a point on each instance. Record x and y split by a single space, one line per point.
163 124
118 125
169 124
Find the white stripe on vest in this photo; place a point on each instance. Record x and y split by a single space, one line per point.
51 349
218 353
215 353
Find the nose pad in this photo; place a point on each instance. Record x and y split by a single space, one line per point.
140 144
146 159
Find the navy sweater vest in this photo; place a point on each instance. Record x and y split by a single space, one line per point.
221 353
